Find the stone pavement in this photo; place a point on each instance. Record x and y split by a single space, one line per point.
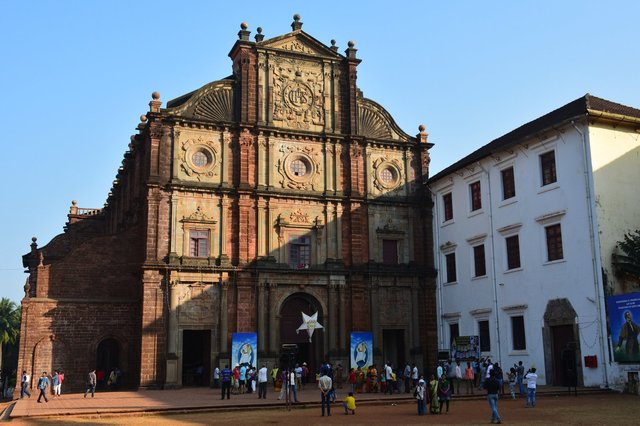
203 399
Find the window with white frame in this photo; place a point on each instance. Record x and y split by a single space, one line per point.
508 183
553 235
450 261
476 196
518 338
513 251
479 261
454 332
447 204
485 335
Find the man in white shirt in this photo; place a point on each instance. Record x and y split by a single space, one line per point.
216 378
531 379
25 384
388 375
458 377
325 384
414 375
262 382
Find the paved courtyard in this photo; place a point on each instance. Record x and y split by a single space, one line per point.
203 406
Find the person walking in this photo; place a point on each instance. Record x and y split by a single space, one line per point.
421 396
61 378
262 382
493 387
226 381
512 382
91 384
24 384
325 384
531 379
43 384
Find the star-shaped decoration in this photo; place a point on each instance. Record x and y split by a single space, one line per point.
309 323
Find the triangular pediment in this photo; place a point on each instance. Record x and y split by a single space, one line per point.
299 42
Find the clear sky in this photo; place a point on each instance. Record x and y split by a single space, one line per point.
76 75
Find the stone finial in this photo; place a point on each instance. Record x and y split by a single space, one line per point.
154 105
351 50
34 245
423 135
296 24
143 118
74 207
333 46
243 34
259 37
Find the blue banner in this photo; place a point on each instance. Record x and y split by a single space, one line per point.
624 316
244 349
361 349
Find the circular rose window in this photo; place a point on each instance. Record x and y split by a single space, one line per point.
387 175
298 168
200 159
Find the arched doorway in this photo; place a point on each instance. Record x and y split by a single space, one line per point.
291 319
562 344
107 358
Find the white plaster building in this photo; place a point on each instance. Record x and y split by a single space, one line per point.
524 230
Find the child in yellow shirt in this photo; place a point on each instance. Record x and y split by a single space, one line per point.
349 404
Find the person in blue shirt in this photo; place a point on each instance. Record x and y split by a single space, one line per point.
43 384
243 378
226 381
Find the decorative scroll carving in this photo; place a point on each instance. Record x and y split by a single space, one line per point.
387 174
290 177
198 216
199 158
294 45
299 216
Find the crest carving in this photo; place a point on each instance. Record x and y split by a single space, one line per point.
195 304
293 45
298 95
199 215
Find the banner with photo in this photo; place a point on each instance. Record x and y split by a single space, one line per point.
624 320
465 348
361 349
244 349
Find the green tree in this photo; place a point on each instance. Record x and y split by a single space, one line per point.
627 258
9 324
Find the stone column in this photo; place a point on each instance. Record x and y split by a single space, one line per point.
415 315
224 287
262 237
331 320
224 218
262 337
375 315
330 169
339 211
225 155
273 333
342 301
338 168
330 211
172 333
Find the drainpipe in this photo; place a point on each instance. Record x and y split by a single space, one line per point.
592 239
493 265
436 251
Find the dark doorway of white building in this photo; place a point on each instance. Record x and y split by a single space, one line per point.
107 359
563 351
393 349
196 357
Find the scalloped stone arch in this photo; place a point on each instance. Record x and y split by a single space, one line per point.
216 105
372 124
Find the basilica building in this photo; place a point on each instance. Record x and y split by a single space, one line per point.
276 191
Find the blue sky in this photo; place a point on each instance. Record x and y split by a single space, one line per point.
76 75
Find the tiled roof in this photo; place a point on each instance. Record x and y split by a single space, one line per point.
581 106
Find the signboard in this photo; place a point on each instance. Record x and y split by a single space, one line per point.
361 349
624 319
244 349
465 348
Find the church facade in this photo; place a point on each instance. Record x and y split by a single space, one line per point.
276 191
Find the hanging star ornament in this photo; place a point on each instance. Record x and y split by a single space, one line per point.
309 323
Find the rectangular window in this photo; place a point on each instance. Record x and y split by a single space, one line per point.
548 167
513 252
447 201
476 197
390 252
479 261
454 332
508 184
300 252
198 243
517 333
485 339
451 267
554 242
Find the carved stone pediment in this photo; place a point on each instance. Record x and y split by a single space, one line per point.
299 42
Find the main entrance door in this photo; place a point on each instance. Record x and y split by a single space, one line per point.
563 353
393 348
196 357
291 319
